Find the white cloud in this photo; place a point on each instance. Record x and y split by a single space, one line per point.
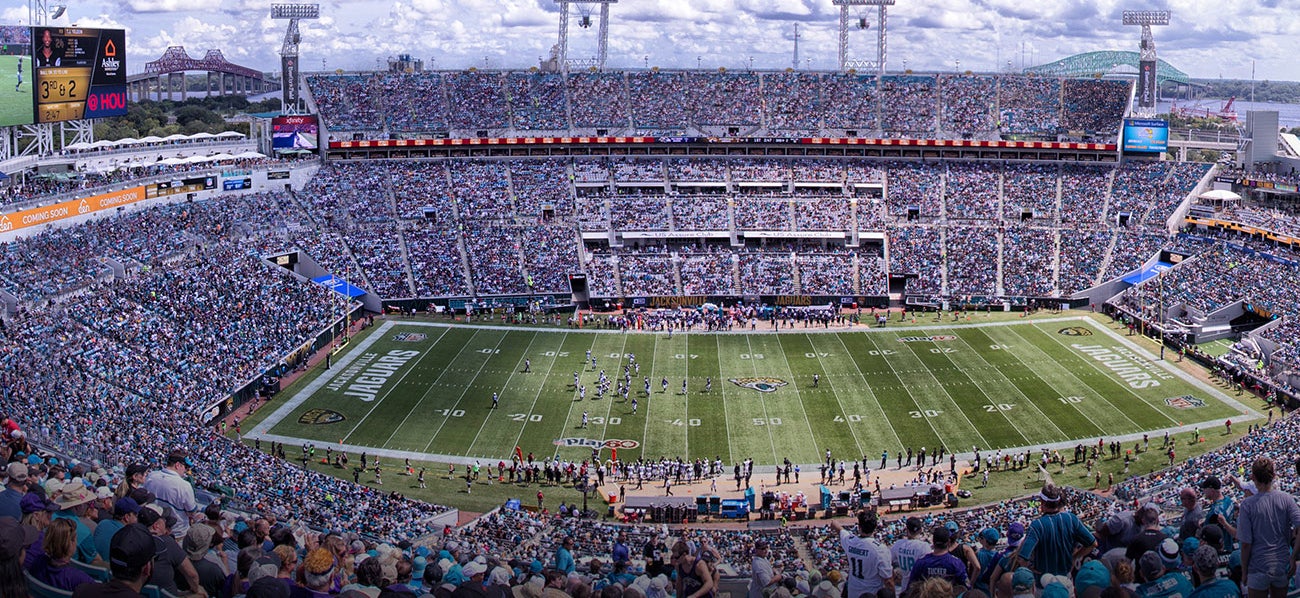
1204 39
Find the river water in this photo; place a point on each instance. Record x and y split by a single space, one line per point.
1288 115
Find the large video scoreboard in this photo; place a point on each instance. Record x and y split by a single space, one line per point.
61 73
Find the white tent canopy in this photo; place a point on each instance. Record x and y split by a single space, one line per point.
1221 195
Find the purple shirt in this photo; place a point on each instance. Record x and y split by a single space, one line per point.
65 577
943 565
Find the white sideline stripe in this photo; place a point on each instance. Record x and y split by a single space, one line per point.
843 330
261 429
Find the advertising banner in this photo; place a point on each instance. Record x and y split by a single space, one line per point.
69 209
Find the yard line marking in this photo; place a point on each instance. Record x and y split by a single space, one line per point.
834 393
763 401
1000 374
540 388
907 389
564 426
871 392
1020 392
398 383
522 357
984 441
310 390
730 456
1109 376
463 392
604 431
795 386
1071 374
1175 370
645 433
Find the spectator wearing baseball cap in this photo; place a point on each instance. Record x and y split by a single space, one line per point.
940 563
124 514
170 568
14 490
15 538
908 550
1022 583
1205 566
1005 565
170 486
1158 580
1092 579
131 556
762 575
988 556
1220 510
1151 534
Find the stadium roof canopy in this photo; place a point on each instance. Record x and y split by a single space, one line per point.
1105 62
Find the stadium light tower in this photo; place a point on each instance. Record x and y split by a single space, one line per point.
293 13
861 23
1147 81
584 21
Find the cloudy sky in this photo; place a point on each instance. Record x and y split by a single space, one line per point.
1205 39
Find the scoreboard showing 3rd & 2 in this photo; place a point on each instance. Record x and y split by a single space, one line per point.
80 73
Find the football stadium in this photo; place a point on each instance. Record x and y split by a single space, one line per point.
578 330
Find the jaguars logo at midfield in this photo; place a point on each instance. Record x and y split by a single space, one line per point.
759 384
320 417
1075 331
410 337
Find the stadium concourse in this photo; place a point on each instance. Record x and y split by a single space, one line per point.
128 330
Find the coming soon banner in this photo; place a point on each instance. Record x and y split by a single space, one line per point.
69 209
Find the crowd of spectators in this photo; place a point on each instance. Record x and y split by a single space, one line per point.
660 101
1083 193
378 251
1082 252
831 214
435 261
1030 187
724 99
909 104
476 100
763 213
968 104
550 255
599 100
1027 265
494 259
700 213
537 101
1029 105
918 251
766 271
971 191
674 102
826 272
1095 106
915 185
708 270
972 261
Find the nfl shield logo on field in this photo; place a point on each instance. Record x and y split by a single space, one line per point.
1184 402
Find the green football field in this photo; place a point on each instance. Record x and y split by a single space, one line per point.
15 106
424 391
